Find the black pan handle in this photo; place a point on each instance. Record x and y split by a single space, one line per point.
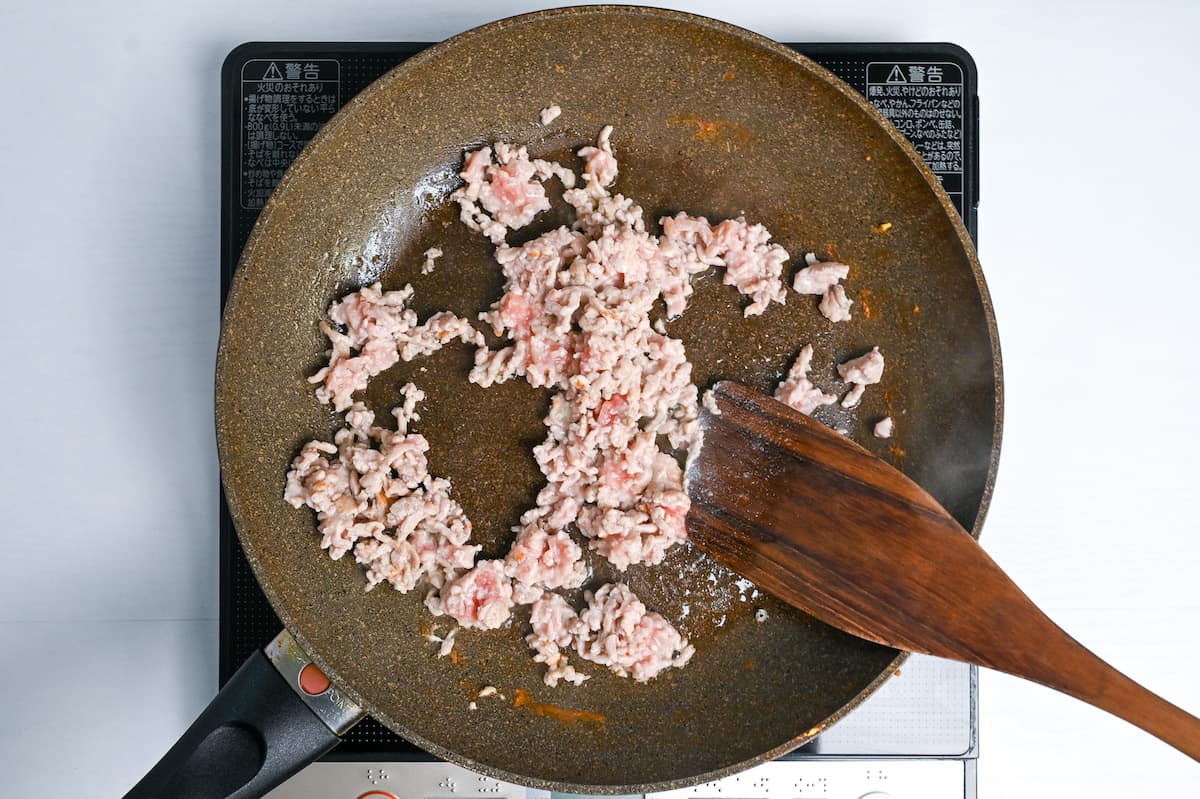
276 715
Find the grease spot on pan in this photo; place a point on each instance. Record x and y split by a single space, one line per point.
713 131
565 715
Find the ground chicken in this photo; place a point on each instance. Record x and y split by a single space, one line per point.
866 370
835 305
618 632
883 428
798 391
819 277
574 317
431 255
480 598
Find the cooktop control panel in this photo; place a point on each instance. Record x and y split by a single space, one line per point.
813 779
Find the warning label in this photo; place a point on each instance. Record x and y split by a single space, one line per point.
284 104
925 101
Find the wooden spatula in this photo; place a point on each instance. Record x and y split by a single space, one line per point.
821 523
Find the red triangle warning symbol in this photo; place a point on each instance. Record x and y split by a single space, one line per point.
273 73
895 76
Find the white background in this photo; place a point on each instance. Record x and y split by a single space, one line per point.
109 246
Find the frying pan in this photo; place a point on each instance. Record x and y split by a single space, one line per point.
710 119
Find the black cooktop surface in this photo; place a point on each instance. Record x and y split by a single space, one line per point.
275 96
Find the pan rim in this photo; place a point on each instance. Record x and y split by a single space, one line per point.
315 146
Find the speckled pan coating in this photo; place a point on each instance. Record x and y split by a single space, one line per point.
711 119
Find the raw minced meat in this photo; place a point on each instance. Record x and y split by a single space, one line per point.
835 305
431 255
379 326
599 163
481 598
883 428
574 317
614 630
373 493
543 559
555 625
819 276
752 264
617 631
575 314
506 191
865 370
797 390
549 114
823 278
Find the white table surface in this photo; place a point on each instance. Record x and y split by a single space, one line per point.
109 235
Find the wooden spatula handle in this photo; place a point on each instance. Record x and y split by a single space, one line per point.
1087 677
1044 653
825 525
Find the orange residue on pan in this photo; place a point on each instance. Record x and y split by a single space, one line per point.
882 227
897 452
831 253
868 158
713 131
455 658
565 715
730 76
864 299
916 309
749 664
559 68
889 396
424 630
